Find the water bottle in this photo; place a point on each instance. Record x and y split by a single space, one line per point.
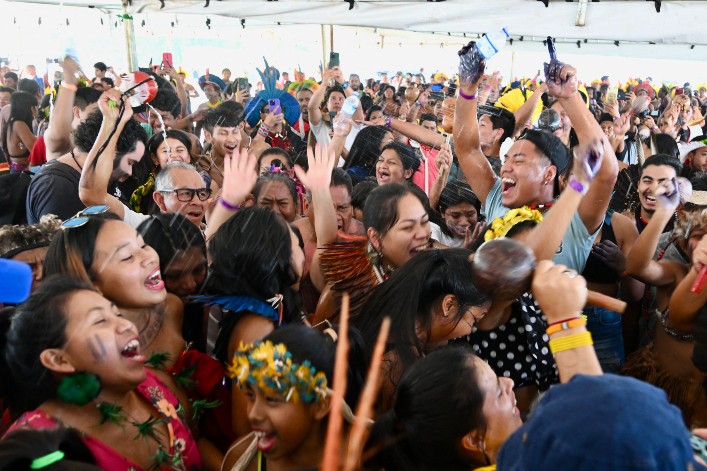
491 43
347 111
470 69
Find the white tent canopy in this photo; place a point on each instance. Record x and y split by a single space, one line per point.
679 22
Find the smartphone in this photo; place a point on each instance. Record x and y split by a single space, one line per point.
167 60
333 60
551 48
274 106
242 83
435 87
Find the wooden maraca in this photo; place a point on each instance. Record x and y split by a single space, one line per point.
412 93
504 269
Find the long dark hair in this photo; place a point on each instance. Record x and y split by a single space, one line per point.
456 192
171 235
366 147
37 324
381 209
406 154
72 250
438 402
408 298
21 104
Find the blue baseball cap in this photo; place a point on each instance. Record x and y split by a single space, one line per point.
605 422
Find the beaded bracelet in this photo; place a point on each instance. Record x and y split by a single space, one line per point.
570 342
467 97
229 206
564 325
387 122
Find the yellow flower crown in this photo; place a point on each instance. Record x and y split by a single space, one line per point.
270 368
501 226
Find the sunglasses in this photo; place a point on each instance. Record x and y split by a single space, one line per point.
82 217
187 194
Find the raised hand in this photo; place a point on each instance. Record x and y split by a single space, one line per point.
667 195
342 125
561 79
239 176
587 160
473 233
71 69
560 291
471 66
611 255
321 163
109 104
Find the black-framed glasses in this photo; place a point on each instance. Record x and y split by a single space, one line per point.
82 217
187 194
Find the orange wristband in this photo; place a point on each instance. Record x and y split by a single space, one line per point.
560 326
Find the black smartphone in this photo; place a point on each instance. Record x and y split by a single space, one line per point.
551 48
242 83
333 60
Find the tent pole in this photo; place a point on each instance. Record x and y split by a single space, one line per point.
324 61
129 39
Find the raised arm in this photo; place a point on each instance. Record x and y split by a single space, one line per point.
315 103
239 177
524 113
476 168
95 177
317 181
640 263
561 294
684 304
57 137
562 84
179 87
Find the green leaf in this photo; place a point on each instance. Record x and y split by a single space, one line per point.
112 413
147 429
157 360
199 407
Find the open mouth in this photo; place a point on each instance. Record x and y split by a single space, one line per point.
650 199
507 184
132 351
383 176
154 281
266 441
230 148
196 215
420 249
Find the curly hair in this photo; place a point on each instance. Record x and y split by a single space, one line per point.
688 221
18 238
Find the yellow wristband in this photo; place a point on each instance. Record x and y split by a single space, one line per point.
578 322
570 342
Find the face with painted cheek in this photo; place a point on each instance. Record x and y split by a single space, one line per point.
169 151
460 218
126 269
101 341
212 93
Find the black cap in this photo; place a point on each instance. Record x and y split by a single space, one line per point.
100 66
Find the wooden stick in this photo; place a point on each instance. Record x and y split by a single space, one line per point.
332 445
364 411
607 302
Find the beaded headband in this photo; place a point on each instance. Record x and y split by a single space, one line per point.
270 368
501 226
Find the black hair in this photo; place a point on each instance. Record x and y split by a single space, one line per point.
665 144
11 76
71 251
381 209
438 402
251 255
366 103
37 324
360 193
428 117
21 104
29 86
167 100
663 160
87 132
319 348
171 235
19 448
108 81
100 66
503 119
157 139
228 114
86 96
406 154
605 117
339 177
270 177
334 89
457 192
372 109
7 90
366 147
409 296
276 151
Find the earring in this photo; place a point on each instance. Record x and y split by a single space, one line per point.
79 388
445 313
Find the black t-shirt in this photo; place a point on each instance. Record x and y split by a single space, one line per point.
54 190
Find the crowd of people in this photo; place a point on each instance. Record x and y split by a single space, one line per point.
191 267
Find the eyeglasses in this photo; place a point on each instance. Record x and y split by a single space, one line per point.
187 194
82 217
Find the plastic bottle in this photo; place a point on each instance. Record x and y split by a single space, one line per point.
491 43
347 111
